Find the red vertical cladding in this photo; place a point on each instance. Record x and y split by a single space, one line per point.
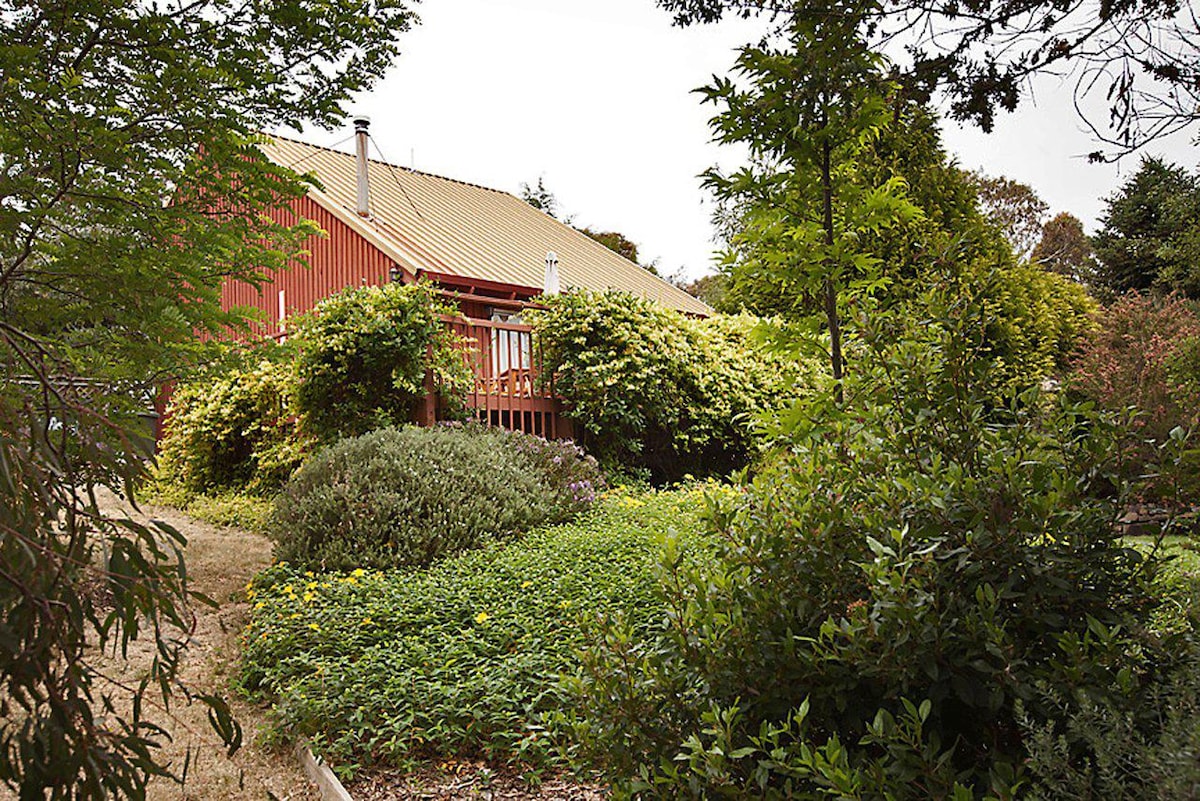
340 260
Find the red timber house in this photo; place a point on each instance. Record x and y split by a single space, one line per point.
488 251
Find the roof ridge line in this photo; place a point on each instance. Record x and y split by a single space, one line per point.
390 165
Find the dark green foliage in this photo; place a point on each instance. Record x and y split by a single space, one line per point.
108 110
234 431
363 355
462 659
1150 233
889 596
413 495
655 390
618 243
1130 752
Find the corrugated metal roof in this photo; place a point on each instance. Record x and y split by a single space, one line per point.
426 222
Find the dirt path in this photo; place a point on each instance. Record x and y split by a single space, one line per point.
220 561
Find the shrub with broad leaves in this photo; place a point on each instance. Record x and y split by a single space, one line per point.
653 390
890 595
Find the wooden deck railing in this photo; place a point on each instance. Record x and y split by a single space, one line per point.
506 362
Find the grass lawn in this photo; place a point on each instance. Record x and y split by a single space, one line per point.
1179 583
462 658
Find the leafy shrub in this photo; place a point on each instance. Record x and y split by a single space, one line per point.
1144 356
363 355
412 495
1141 356
888 596
1035 322
1145 752
652 389
461 658
234 431
358 361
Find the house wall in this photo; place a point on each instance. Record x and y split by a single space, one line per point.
341 260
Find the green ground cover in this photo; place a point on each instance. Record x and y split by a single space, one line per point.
464 657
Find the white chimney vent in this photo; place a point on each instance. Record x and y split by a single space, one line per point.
550 282
361 124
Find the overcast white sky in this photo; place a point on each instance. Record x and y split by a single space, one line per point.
595 98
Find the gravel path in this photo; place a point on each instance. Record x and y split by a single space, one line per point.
220 562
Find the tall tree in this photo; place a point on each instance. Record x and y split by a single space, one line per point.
1014 208
130 189
907 150
540 197
1150 232
806 108
1141 58
1065 249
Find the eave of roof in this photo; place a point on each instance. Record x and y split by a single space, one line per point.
430 224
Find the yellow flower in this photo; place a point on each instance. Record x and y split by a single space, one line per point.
366 621
314 627
481 617
358 572
309 573
308 596
260 605
526 585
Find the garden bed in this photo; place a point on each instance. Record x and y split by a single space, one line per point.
464 659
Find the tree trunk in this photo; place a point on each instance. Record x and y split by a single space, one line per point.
831 312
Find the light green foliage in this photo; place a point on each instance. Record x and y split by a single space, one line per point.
888 596
655 390
462 658
249 512
132 189
413 495
1037 320
235 431
357 362
908 151
363 355
807 109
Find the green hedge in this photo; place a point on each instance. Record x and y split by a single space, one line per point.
237 431
654 390
357 361
363 355
413 495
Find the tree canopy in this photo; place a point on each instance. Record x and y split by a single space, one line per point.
1014 208
1149 234
130 189
1065 249
1141 58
